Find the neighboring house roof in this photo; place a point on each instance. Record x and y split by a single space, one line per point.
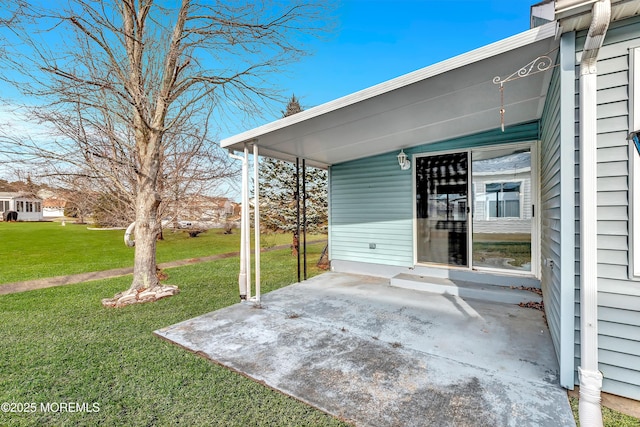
512 163
197 206
221 202
54 203
450 99
17 195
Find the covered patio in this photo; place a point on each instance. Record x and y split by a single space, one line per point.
457 97
373 355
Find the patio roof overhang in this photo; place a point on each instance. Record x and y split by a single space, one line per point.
574 15
453 98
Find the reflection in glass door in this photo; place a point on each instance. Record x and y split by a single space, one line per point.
502 209
442 209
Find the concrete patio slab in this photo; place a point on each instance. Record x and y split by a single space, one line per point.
373 355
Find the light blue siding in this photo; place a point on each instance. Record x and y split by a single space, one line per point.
372 210
371 200
618 297
371 205
557 213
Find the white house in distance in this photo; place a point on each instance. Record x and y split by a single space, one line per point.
28 207
510 164
198 209
53 207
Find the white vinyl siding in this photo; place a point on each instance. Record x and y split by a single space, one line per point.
516 218
557 175
371 212
618 296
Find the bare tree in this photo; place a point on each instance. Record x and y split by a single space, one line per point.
11 12
81 194
188 173
129 87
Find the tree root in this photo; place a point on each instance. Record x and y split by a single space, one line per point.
134 296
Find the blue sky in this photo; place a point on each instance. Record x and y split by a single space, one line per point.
377 40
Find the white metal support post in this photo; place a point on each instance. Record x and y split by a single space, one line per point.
243 276
246 217
256 219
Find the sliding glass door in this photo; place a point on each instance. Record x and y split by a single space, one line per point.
503 209
476 208
442 209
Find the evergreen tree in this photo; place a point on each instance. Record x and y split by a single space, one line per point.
278 191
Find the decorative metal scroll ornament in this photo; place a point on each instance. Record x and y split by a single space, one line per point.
538 65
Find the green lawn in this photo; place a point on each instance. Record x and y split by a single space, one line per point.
610 417
61 345
515 247
31 250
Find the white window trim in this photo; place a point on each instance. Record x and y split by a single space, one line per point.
634 165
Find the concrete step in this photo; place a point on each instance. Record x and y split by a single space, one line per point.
464 289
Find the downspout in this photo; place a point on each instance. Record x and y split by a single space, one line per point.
590 412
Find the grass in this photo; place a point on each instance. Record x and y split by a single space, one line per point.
61 345
610 417
518 252
46 249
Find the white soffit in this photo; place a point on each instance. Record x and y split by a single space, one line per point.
575 15
453 98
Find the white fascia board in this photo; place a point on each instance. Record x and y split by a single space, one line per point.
566 8
544 10
575 15
505 45
269 152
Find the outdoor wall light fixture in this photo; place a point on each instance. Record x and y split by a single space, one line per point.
403 161
633 136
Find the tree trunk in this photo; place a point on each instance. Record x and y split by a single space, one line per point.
147 202
295 245
146 232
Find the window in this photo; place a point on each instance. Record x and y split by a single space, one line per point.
4 205
503 200
20 206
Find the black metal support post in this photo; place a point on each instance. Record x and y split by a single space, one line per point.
297 195
304 215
